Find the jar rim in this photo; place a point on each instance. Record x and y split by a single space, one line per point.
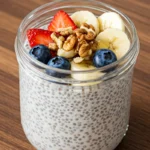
44 66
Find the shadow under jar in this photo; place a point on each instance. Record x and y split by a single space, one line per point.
66 114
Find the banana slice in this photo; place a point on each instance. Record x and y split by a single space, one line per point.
111 20
85 65
115 40
81 17
66 54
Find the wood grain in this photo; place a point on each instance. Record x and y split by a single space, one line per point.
11 134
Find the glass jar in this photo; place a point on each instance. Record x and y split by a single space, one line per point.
66 114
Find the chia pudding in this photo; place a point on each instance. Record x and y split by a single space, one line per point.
75 71
59 117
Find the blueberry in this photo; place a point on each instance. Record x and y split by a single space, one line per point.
41 53
103 57
61 63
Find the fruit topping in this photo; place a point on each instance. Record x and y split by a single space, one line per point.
61 63
103 57
61 20
83 39
115 40
111 20
53 53
39 36
66 54
41 53
81 17
85 65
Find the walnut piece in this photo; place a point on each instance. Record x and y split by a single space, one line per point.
80 33
84 53
84 49
87 58
53 46
57 40
62 38
65 31
91 34
79 44
70 43
88 26
86 32
94 45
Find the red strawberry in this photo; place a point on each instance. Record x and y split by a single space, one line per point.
61 20
53 53
39 36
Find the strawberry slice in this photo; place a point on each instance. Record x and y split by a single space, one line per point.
39 36
53 53
61 20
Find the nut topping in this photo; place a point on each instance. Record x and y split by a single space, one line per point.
88 27
57 40
81 41
65 31
86 32
62 38
80 33
53 46
94 45
91 34
70 43
85 50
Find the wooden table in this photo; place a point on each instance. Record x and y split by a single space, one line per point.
11 134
